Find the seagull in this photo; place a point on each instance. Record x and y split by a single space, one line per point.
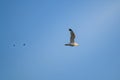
72 41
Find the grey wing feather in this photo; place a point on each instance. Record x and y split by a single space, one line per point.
72 36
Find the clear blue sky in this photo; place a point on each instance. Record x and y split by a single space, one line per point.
43 26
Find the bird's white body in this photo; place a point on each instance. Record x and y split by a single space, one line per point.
72 44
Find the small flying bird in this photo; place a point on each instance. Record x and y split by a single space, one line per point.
24 44
13 45
72 41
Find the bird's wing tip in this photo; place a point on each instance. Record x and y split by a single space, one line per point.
70 29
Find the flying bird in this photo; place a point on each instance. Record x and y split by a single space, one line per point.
72 41
24 44
13 45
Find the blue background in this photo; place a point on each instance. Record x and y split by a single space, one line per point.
43 26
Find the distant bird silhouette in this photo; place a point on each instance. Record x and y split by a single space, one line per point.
13 45
72 37
24 44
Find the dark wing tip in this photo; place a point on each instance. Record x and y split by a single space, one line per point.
70 29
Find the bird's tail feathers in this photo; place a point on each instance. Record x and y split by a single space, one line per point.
67 44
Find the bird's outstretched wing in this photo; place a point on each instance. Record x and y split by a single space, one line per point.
72 37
